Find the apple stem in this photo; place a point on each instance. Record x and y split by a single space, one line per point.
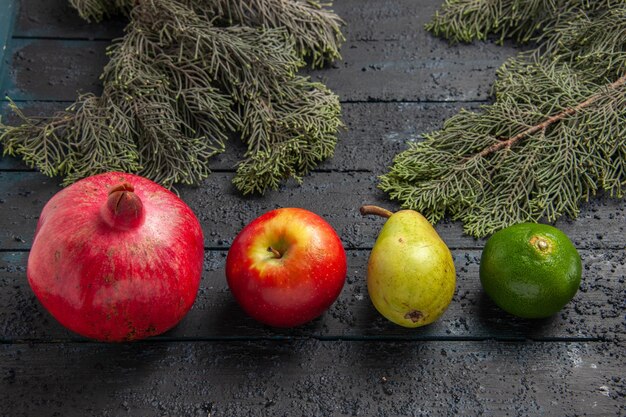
276 253
378 211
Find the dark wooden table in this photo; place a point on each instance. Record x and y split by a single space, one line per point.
396 81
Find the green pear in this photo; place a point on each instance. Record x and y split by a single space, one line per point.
410 275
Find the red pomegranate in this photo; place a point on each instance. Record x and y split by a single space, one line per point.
116 257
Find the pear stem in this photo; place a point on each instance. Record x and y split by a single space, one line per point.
375 210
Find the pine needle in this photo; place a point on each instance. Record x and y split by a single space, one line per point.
186 76
554 136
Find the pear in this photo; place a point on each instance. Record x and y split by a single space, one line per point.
410 275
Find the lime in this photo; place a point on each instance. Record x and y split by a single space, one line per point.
530 270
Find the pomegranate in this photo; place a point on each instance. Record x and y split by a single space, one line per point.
116 257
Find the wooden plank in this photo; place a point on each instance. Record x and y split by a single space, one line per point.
374 134
596 312
376 21
198 370
422 69
53 69
313 378
7 15
336 196
57 19
7 18
366 20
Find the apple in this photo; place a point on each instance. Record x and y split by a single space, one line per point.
286 267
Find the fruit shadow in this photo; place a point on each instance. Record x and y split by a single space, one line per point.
100 375
497 323
385 349
260 349
227 320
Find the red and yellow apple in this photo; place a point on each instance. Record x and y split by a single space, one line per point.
286 267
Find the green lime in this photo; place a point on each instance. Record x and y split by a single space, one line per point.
530 270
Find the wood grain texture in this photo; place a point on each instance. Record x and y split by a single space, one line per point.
367 20
57 70
313 378
7 13
336 196
57 19
54 70
396 82
594 314
7 18
385 41
420 69
374 133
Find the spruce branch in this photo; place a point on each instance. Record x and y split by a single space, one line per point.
521 20
553 138
178 85
97 10
315 29
507 143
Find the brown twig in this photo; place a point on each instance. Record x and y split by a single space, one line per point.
551 120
